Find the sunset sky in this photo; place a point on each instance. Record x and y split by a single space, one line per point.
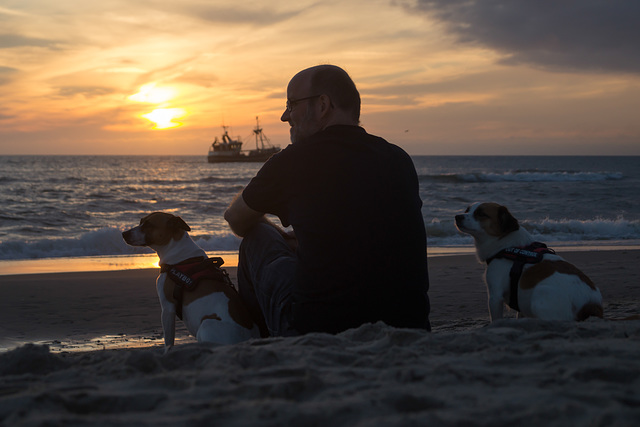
436 77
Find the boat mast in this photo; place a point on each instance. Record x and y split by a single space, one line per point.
259 134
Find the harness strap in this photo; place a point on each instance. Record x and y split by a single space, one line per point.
188 273
532 254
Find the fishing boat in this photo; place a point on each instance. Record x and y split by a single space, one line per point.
230 150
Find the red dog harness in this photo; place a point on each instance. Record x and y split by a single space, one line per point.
520 256
188 273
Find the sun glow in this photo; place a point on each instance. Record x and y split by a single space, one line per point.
152 94
164 117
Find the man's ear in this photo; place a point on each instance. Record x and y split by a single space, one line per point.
325 105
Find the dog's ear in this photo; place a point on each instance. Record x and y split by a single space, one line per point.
508 223
178 223
178 227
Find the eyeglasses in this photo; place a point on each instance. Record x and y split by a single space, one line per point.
292 102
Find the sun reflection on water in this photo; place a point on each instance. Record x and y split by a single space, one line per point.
97 263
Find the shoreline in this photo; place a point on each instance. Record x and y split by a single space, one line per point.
141 261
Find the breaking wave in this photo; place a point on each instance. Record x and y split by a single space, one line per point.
618 231
524 176
108 241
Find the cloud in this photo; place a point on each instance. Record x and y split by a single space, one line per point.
234 13
86 91
235 16
15 40
6 74
594 35
7 70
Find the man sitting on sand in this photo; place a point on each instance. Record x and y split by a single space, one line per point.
357 253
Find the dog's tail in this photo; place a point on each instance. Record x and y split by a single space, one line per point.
588 310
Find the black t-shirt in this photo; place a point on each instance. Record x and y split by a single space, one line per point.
352 199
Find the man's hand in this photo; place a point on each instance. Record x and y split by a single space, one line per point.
289 237
242 219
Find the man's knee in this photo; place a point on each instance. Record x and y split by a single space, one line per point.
264 242
260 235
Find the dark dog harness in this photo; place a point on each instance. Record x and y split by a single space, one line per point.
520 256
188 273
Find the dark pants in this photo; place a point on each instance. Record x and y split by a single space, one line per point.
266 271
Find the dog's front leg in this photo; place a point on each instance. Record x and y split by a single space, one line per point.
168 327
168 316
495 307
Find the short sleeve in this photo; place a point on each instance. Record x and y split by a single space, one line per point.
270 189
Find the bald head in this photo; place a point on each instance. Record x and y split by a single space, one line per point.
319 97
334 82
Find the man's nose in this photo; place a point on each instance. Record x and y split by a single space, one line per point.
285 116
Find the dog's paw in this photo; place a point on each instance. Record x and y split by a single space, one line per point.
167 349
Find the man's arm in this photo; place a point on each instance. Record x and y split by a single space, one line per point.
241 217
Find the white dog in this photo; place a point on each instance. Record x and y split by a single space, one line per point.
525 274
190 285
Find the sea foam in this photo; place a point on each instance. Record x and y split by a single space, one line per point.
108 241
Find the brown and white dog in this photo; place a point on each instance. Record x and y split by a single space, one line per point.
550 289
212 312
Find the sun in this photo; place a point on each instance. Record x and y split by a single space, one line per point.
164 117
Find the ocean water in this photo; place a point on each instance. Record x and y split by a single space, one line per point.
77 206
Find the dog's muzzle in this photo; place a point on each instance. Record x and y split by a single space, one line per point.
134 237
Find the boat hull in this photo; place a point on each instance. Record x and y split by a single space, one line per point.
229 150
238 158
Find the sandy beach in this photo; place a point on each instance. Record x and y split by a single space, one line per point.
85 349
